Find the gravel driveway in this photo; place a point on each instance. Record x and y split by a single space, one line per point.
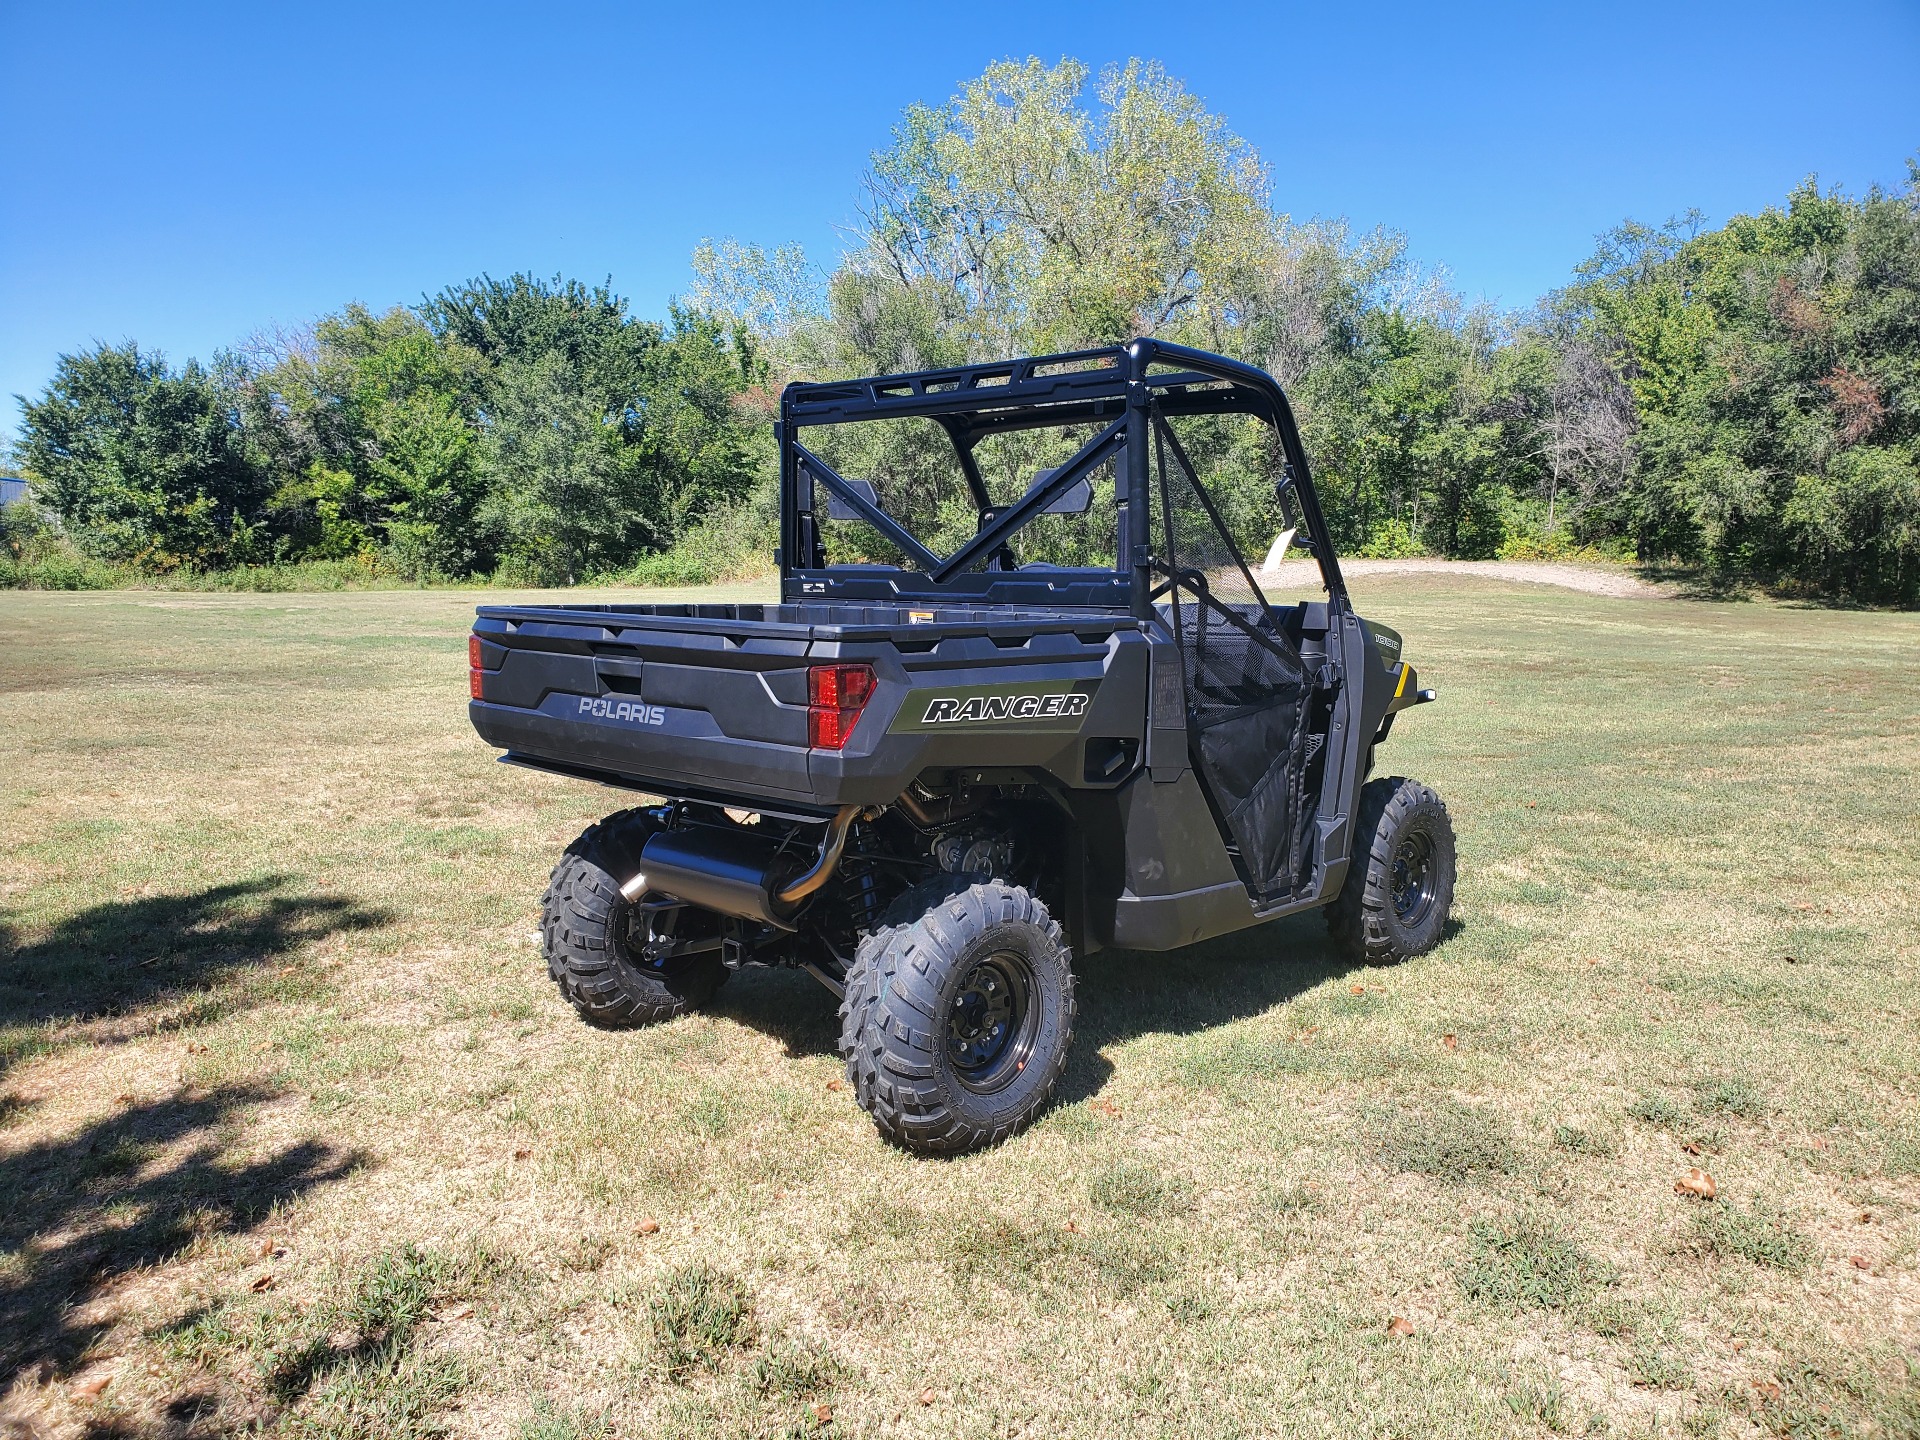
1594 579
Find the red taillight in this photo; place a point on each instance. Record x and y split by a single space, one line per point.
473 651
474 667
836 694
839 687
829 729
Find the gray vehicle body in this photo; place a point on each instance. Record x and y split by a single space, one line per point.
1072 703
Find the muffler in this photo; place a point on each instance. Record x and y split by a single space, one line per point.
735 870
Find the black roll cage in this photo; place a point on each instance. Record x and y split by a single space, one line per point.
1114 384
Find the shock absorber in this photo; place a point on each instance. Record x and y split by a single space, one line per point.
862 886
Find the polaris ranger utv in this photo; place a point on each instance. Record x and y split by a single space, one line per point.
923 776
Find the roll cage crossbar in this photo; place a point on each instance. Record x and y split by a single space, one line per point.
1116 387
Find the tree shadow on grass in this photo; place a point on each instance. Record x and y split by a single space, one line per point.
124 956
83 1213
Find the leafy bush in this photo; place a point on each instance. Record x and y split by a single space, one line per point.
1391 540
59 567
731 542
1556 544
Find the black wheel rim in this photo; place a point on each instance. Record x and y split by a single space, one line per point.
992 1020
1413 877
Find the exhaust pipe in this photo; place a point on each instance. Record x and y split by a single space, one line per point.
734 871
822 870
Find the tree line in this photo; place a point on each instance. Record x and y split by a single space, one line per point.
1743 399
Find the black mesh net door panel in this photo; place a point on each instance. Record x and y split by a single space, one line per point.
1246 688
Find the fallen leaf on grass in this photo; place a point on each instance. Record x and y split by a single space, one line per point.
89 1388
823 1413
455 1312
927 1397
836 1084
1770 1389
1106 1107
261 1282
523 1154
1401 1326
647 1227
194 1047
1692 1147
1358 989
1739 1344
1452 1042
1696 1182
125 1097
1859 1262
1072 1227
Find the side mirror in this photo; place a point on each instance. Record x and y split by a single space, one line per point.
838 509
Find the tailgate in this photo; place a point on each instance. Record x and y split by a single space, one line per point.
707 697
712 700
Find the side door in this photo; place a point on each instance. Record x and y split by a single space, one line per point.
1250 694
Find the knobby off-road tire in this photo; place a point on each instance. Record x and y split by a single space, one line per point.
584 925
952 958
1399 889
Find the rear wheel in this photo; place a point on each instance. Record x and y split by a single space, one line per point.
620 965
1399 889
958 1015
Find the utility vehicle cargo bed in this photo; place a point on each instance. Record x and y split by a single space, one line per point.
691 699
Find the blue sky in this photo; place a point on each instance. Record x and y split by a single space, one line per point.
184 174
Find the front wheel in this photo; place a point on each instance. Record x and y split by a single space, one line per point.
1399 890
958 1015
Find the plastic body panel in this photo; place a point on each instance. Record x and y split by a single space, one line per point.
671 701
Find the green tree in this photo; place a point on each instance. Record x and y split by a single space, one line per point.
371 425
574 506
635 425
145 463
1772 364
1041 209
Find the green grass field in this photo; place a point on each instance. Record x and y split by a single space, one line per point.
295 1135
